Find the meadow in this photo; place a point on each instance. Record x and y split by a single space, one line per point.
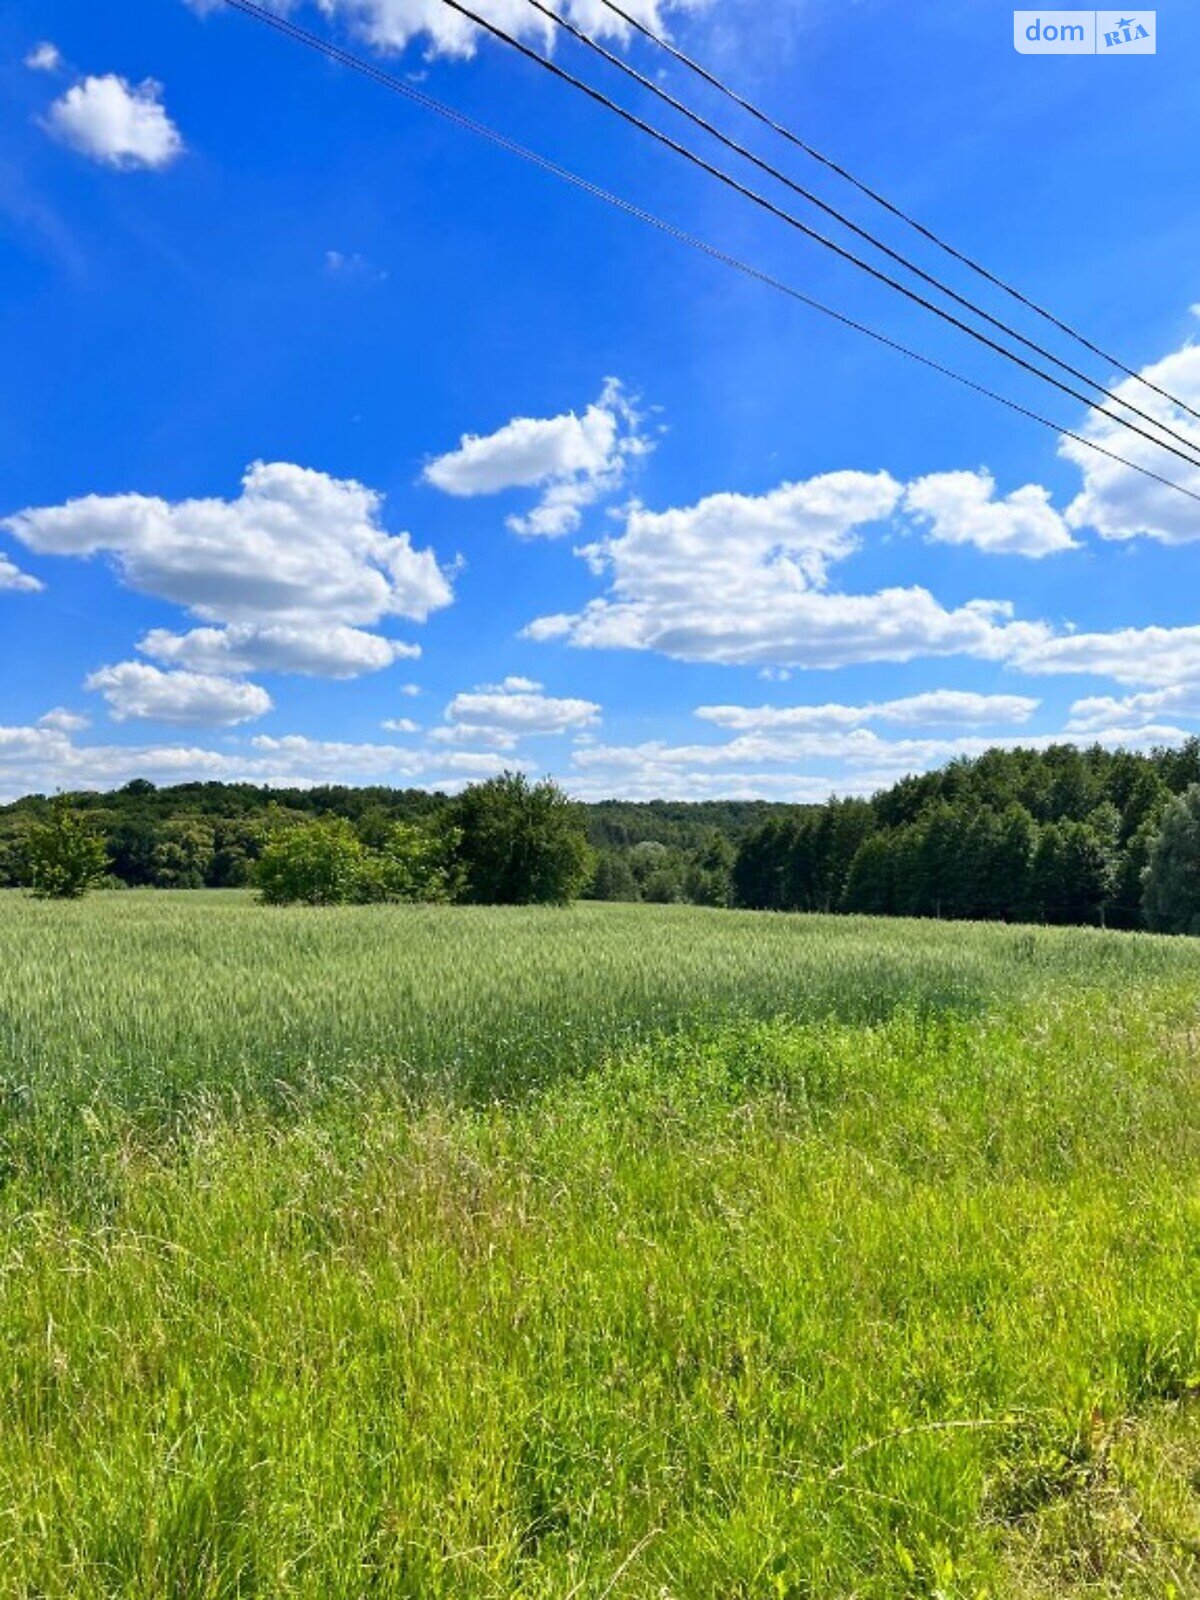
654 1253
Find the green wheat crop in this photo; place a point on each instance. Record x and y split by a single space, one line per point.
618 1252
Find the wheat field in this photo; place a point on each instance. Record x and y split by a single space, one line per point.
620 1251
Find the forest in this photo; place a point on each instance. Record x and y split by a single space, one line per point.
1059 835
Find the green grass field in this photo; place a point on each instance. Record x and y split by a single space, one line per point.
657 1254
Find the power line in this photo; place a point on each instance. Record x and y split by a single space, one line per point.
888 205
459 119
906 262
748 193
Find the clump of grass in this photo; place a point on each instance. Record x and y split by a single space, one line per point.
1128 1526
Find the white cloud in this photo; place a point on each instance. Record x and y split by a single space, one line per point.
63 721
741 579
850 748
574 460
343 264
850 762
1121 504
15 581
937 708
120 124
315 651
400 725
293 569
1103 712
500 715
134 690
44 57
1155 657
962 508
40 760
328 761
31 745
393 24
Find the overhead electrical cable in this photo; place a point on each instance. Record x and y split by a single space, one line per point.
906 217
704 165
840 217
481 130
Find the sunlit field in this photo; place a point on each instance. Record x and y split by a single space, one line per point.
656 1253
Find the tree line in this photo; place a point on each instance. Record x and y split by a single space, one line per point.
1057 835
1060 835
504 842
213 835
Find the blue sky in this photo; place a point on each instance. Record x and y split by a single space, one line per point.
338 445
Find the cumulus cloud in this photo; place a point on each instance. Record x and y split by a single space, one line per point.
501 715
400 725
41 759
329 761
963 508
853 748
574 460
44 57
653 782
292 570
393 24
63 721
117 123
15 581
1103 712
136 691
315 652
743 580
937 708
1154 657
1121 504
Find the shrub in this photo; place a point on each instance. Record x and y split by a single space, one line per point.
326 863
411 864
319 864
63 858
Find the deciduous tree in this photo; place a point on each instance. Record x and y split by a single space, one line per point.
1172 891
521 843
64 857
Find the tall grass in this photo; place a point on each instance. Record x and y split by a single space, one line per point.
655 1254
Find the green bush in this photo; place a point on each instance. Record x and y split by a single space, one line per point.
317 864
64 859
326 863
411 864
